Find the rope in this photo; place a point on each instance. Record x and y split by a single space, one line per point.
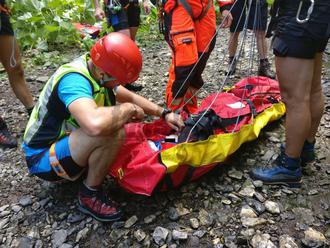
227 75
199 59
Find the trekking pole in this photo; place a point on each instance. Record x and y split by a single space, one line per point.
309 12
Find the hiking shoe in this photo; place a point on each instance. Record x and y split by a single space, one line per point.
6 139
264 69
286 171
134 87
307 154
97 204
232 63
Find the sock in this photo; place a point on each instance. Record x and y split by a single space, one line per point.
86 188
292 163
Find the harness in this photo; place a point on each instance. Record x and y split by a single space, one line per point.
186 6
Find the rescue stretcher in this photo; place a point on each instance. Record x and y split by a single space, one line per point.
153 157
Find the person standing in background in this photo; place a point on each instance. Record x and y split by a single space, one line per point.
11 60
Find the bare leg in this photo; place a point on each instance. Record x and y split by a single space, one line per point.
133 31
232 46
261 44
125 32
98 153
16 72
295 91
316 98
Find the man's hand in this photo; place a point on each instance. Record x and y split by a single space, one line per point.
146 7
137 113
174 121
99 14
227 19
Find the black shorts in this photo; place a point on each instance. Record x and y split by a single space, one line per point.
5 25
300 40
125 18
257 19
297 47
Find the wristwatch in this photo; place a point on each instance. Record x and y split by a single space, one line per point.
165 112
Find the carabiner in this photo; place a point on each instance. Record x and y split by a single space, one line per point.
309 12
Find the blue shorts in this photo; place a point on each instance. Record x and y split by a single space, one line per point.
40 165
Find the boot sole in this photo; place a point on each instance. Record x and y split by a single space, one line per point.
296 184
86 211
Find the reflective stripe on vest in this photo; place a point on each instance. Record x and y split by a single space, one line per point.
41 110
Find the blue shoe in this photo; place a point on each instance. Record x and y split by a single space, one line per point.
307 154
286 171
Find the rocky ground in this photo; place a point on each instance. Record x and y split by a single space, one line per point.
222 209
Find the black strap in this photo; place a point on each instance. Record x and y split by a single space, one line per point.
187 7
112 97
252 107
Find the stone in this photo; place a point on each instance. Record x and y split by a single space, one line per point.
252 222
287 242
75 217
24 242
25 201
262 241
258 206
247 191
199 233
149 219
66 246
248 233
258 183
34 233
139 235
173 214
59 237
16 208
268 155
205 218
179 235
159 235
230 242
247 211
3 223
259 197
304 215
272 207
193 242
116 234
131 221
82 234
233 173
42 79
194 223
313 238
226 201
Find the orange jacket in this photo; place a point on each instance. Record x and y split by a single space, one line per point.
225 4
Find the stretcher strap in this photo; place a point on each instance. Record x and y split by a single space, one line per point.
55 164
187 7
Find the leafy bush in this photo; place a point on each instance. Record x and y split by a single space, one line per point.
43 23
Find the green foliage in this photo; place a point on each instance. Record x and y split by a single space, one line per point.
149 29
43 24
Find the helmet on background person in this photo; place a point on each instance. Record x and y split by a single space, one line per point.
118 56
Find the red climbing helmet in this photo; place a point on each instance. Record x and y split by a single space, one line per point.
117 55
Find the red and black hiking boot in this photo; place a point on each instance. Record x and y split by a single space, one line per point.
6 139
97 204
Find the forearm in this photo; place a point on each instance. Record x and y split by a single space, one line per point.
110 119
148 107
